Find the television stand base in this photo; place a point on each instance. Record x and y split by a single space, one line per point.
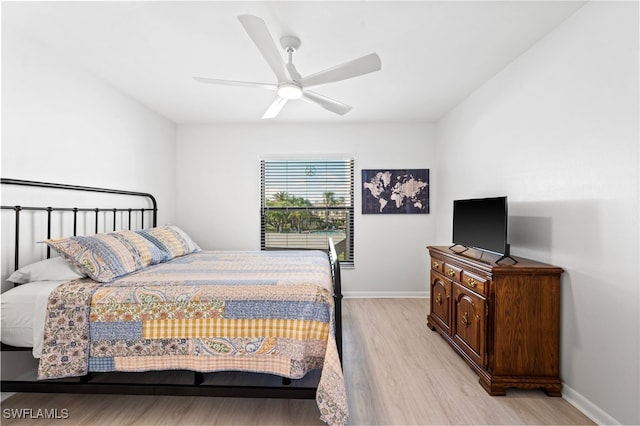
459 252
506 256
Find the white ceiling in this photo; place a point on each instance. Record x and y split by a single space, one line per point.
434 53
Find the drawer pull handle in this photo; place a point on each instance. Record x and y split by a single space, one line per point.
435 265
439 299
472 283
465 319
451 273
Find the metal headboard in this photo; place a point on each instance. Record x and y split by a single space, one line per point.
75 210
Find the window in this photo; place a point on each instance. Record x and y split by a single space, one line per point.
306 202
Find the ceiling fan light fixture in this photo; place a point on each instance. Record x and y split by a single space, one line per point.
290 91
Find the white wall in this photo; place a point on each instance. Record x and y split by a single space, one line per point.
62 124
218 176
557 131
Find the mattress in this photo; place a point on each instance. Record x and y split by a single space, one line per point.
22 314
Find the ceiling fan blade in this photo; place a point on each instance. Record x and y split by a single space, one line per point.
236 83
275 107
326 103
354 68
257 30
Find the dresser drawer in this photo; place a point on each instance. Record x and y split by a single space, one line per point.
474 282
452 272
437 265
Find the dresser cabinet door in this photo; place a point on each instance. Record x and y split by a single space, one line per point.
441 300
469 318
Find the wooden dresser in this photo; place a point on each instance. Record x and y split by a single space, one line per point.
503 319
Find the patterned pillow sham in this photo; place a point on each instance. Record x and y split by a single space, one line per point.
151 254
170 239
105 257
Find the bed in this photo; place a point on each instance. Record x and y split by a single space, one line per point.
114 306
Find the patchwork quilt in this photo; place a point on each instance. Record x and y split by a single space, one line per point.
268 312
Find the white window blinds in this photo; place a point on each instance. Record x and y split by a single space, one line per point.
306 202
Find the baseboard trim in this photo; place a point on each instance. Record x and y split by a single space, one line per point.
587 407
385 294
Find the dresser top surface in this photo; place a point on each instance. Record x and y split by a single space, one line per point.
487 261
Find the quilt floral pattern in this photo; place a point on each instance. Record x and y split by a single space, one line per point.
268 312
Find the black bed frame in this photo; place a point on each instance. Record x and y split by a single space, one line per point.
197 387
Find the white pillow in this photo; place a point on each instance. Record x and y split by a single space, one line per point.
54 269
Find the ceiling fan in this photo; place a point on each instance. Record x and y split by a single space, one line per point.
291 85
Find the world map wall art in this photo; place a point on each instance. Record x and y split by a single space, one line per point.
393 191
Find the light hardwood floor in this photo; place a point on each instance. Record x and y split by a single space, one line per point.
397 372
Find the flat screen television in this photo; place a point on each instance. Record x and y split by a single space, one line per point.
481 223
